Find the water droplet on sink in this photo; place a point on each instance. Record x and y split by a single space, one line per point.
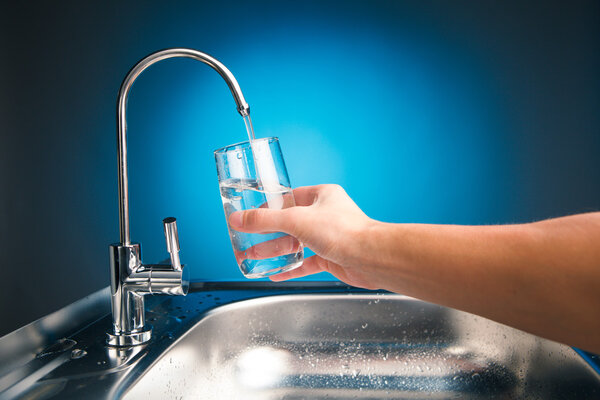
58 347
78 353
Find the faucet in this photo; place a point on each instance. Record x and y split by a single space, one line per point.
130 278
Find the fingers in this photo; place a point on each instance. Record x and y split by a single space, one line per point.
306 195
261 220
302 196
278 201
273 248
279 218
311 265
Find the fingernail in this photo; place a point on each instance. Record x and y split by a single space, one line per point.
235 219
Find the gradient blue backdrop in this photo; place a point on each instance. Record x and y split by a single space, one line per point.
434 112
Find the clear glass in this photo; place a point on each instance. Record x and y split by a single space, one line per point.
253 175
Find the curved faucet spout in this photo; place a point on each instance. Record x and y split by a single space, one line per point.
130 278
242 108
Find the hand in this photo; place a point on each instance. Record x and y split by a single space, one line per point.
324 219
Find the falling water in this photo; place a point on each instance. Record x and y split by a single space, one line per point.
249 128
253 149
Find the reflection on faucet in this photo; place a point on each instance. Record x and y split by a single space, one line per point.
130 278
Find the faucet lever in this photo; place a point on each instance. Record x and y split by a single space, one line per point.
172 239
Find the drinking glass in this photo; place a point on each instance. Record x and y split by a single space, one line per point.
253 175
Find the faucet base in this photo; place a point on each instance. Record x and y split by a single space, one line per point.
129 339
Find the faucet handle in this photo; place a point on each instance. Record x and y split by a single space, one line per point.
172 238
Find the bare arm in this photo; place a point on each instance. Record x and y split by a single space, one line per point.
542 277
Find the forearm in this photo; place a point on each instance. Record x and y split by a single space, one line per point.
542 277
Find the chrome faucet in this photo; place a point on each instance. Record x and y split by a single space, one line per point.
130 278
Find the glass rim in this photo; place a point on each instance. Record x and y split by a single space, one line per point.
245 143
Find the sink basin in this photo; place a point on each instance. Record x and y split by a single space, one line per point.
360 346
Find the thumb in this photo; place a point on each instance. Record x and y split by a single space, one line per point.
260 220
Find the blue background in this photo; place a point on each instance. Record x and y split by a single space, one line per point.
435 112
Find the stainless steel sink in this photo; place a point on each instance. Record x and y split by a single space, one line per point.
296 340
366 346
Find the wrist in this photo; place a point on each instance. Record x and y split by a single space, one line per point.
382 254
370 252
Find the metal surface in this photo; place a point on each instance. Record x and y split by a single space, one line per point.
130 279
361 346
20 347
127 301
299 340
172 239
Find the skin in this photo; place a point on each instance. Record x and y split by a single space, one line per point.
541 277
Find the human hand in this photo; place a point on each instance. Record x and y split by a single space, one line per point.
325 219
